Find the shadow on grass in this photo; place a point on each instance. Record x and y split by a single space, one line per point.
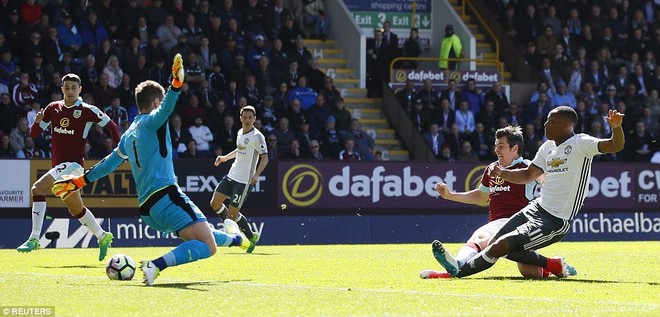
253 253
190 286
70 267
574 280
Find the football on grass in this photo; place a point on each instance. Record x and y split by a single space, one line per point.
120 267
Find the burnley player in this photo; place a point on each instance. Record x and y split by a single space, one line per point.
70 120
566 161
504 199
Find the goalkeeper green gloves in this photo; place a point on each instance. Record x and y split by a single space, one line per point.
178 73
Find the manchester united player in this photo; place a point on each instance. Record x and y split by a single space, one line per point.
565 159
504 199
70 120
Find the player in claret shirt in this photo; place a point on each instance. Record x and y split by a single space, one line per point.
70 120
503 197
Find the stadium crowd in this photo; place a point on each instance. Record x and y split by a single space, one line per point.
593 56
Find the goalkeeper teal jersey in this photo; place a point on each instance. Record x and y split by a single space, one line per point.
147 145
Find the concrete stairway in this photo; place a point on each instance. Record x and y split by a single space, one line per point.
367 110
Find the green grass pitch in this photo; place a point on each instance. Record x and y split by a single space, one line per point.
614 279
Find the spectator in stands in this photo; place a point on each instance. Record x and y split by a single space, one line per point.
131 53
563 97
191 151
102 92
113 71
445 117
202 135
116 112
271 144
284 135
342 116
296 115
234 31
274 18
69 34
446 155
482 143
18 135
53 48
488 117
412 47
549 75
281 99
315 76
194 72
497 96
574 77
256 51
158 73
465 118
294 151
349 153
429 96
551 19
33 47
451 47
178 135
155 51
641 144
92 33
420 116
330 140
529 24
168 33
532 56
632 99
584 117
8 114
653 102
640 80
434 139
596 77
15 32
314 14
267 114
8 69
543 87
6 150
407 96
452 94
573 22
589 97
473 95
227 133
301 54
649 120
141 31
24 93
467 154
182 46
279 58
610 97
191 30
512 116
304 138
251 91
546 42
239 71
538 110
317 114
232 95
379 56
532 141
302 92
289 34
559 60
314 149
29 150
364 143
454 139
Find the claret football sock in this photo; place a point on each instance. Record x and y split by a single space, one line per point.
86 217
245 227
38 213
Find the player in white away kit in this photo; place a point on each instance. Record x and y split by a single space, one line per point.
243 174
566 160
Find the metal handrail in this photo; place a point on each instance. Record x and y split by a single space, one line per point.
483 25
487 62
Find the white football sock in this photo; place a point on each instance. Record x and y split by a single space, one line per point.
38 214
88 221
465 254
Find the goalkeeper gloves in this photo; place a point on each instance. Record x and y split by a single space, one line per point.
178 73
64 188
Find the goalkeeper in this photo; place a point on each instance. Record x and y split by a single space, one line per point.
147 146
